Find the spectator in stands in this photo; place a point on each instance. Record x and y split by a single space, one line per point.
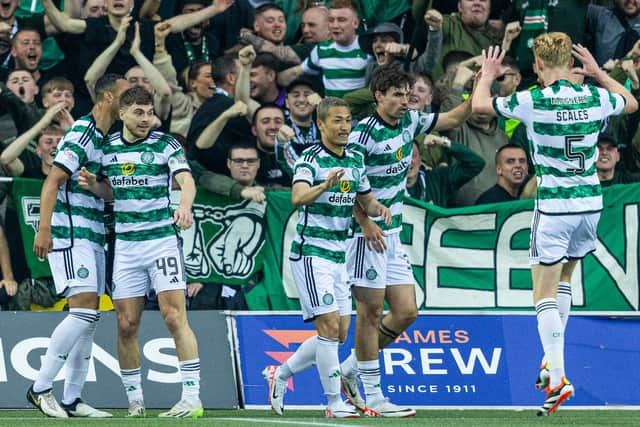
567 16
437 185
269 23
142 74
512 171
325 60
193 44
615 30
480 133
198 85
18 99
237 129
263 81
19 161
507 84
300 130
93 9
94 35
8 285
243 162
467 30
315 25
267 121
608 158
26 50
224 28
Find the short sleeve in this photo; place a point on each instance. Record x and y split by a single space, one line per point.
311 65
177 160
363 185
303 172
517 106
612 103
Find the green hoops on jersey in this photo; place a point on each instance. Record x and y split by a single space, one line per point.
563 121
323 225
342 67
387 157
78 214
140 175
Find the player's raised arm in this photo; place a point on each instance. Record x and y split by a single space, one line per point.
590 68
481 99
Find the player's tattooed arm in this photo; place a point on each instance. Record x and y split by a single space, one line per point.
303 194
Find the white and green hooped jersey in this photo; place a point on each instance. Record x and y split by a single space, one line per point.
140 175
323 225
563 121
343 68
387 156
78 214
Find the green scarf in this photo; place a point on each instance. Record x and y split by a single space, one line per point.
534 23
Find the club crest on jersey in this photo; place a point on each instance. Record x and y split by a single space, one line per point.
345 186
355 173
147 157
399 154
128 168
406 136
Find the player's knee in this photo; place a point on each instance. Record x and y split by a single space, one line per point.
409 315
370 314
127 326
174 319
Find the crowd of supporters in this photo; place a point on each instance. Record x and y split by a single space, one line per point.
237 82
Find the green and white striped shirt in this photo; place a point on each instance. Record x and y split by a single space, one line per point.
342 67
387 156
78 214
323 225
140 175
563 121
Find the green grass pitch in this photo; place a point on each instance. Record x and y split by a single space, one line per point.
314 418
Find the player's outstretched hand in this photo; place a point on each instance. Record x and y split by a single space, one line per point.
333 178
492 61
86 179
183 217
374 236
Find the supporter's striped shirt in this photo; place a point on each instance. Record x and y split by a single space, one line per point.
563 121
387 157
78 214
323 225
342 67
140 175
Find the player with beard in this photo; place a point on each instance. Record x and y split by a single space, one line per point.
139 165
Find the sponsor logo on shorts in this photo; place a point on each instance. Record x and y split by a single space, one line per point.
371 273
174 280
83 272
147 157
327 299
128 168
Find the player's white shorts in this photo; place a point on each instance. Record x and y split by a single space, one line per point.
152 264
370 269
322 286
562 238
78 269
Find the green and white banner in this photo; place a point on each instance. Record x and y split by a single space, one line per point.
468 258
477 257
